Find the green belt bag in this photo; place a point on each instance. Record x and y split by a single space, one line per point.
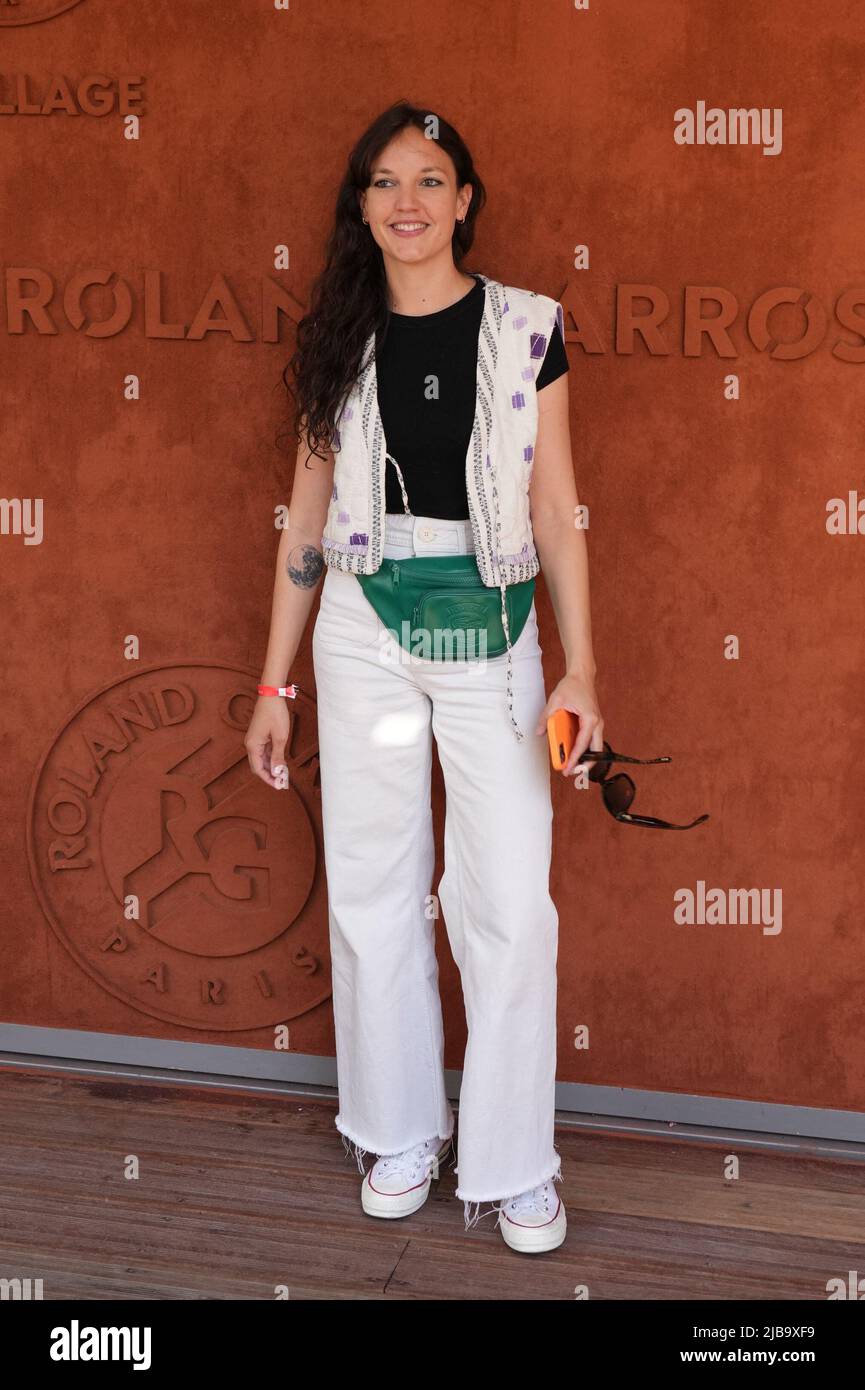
438 607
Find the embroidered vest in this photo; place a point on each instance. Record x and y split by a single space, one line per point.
512 342
514 335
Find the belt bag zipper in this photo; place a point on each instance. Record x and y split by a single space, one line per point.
471 580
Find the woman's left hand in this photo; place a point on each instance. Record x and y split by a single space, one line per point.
577 694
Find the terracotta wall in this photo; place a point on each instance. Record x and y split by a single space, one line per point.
145 326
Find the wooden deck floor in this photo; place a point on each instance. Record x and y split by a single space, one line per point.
237 1195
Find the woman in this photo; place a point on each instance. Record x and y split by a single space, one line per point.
434 421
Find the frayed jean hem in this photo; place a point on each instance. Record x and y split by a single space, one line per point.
499 1202
355 1145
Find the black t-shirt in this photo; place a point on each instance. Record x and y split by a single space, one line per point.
429 438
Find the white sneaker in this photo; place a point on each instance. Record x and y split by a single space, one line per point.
534 1221
398 1184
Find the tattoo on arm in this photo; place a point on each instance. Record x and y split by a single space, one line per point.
304 566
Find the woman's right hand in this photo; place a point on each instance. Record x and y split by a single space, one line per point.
266 738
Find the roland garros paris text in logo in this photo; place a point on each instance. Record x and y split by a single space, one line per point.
175 877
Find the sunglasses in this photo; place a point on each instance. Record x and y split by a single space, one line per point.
619 791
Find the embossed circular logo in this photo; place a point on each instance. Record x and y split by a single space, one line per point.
464 614
32 11
175 877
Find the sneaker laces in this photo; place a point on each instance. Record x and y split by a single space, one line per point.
411 1162
536 1199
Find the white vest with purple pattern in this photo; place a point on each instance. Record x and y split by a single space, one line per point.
513 339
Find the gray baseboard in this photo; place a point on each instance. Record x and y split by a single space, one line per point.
669 1113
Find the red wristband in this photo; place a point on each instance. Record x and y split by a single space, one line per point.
289 690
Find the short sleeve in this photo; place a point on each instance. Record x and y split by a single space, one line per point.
555 362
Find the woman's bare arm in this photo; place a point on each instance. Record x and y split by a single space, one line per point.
299 562
561 546
299 566
562 550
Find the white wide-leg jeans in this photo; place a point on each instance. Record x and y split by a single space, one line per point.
378 708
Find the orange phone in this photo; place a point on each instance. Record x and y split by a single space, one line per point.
562 730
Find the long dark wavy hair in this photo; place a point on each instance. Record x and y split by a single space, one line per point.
348 299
